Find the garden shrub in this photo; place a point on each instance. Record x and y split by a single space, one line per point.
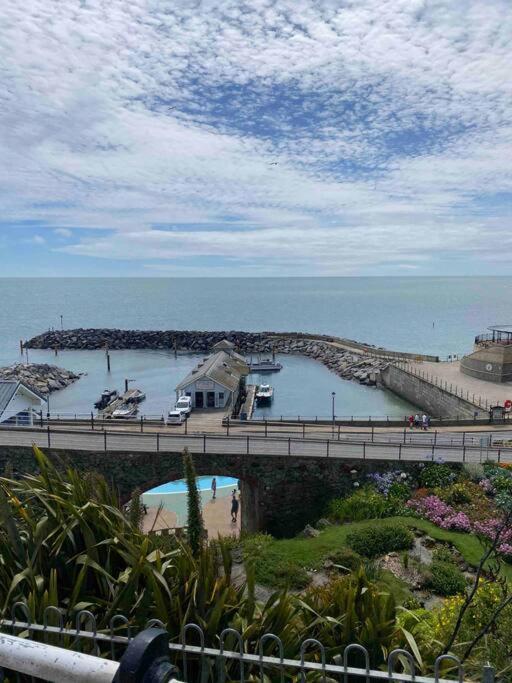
460 493
363 504
345 557
437 474
443 554
287 574
446 579
399 490
380 539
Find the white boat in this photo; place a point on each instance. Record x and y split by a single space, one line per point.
264 394
265 365
125 411
133 396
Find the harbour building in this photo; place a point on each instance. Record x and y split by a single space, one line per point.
19 402
216 381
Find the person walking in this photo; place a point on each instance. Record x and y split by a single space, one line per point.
424 422
234 508
214 488
416 420
411 421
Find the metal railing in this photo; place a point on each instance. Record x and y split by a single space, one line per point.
330 446
448 387
192 658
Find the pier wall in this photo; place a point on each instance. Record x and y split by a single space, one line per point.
279 494
433 399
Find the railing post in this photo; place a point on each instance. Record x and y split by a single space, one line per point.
405 436
142 423
488 674
105 439
339 427
499 454
204 444
303 430
399 451
41 417
464 454
227 426
327 442
48 432
157 441
373 429
364 450
92 420
289 446
435 437
266 427
247 444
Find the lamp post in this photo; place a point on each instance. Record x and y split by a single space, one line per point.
333 394
61 323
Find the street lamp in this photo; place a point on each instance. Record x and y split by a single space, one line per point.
333 394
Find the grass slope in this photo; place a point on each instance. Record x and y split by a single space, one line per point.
275 560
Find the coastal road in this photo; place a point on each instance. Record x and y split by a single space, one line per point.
73 439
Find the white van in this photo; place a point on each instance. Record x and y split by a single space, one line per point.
184 405
176 417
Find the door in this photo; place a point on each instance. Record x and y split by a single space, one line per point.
210 399
199 399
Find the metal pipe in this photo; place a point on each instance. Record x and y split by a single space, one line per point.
54 664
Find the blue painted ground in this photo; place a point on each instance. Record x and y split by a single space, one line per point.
203 483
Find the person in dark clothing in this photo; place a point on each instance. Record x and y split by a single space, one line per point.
234 508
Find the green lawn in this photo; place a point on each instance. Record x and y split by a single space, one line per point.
309 553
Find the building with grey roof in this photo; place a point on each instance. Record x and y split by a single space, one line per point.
215 381
18 402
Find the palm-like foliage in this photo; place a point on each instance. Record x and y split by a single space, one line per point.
65 541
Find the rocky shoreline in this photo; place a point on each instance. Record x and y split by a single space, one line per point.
44 378
344 362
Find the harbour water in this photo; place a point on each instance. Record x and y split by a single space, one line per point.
430 315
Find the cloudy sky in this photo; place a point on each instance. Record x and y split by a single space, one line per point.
288 137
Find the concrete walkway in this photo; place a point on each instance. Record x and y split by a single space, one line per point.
449 372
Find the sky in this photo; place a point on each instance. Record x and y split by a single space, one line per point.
289 138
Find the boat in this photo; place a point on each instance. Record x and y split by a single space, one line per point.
107 396
133 396
265 365
125 411
264 394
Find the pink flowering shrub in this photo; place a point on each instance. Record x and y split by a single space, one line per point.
486 486
441 514
489 527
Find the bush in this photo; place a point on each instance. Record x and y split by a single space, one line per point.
287 574
345 557
399 490
443 554
436 474
446 579
363 504
380 539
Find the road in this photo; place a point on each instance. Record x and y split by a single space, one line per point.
73 439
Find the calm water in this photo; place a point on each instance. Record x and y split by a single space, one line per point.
431 315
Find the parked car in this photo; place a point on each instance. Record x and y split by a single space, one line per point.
176 417
184 405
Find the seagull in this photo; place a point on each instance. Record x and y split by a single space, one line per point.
273 163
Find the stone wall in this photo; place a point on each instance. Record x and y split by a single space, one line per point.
492 363
433 399
279 494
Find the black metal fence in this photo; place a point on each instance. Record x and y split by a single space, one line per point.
159 658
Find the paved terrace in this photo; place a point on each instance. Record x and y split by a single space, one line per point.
449 374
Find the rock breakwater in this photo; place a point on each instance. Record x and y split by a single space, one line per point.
346 363
42 377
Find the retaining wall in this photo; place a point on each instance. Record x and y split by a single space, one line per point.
280 494
433 399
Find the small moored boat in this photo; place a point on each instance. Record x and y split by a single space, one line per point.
125 411
264 394
107 396
265 365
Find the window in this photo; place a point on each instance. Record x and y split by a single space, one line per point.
188 393
221 395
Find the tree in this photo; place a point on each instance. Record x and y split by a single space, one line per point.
196 533
136 513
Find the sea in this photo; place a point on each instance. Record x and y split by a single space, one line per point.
435 315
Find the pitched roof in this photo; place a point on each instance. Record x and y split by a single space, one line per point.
7 390
221 367
9 387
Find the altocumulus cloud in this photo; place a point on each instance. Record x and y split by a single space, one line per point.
294 137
